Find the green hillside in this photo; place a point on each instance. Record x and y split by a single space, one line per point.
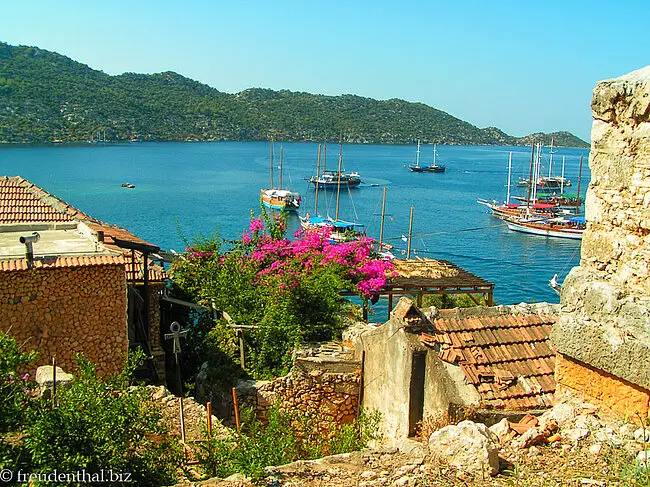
47 97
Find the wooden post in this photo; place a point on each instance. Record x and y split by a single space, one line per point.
236 407
208 409
360 397
54 380
390 304
242 358
182 416
364 312
408 249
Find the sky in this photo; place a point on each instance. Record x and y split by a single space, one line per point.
523 66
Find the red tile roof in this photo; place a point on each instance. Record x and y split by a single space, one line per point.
23 202
57 262
505 355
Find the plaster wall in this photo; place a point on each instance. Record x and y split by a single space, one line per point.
63 311
389 353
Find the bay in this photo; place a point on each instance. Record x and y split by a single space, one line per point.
186 189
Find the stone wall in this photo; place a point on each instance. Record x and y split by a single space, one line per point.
605 324
63 311
326 388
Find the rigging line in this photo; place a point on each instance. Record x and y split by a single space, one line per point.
573 256
354 208
451 232
473 257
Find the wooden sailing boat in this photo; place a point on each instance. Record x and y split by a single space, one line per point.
278 198
434 167
563 226
341 230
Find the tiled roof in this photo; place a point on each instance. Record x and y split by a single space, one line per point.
23 202
505 355
56 262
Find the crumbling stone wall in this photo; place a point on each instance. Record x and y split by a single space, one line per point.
63 311
604 329
335 395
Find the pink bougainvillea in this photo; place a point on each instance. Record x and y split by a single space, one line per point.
282 263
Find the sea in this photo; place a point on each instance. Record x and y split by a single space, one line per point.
187 190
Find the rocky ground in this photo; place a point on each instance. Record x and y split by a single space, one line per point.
571 445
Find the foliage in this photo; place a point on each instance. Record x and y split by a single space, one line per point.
287 291
14 386
282 438
102 424
51 97
449 301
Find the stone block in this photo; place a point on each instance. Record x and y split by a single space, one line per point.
470 447
45 379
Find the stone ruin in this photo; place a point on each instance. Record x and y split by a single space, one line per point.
603 336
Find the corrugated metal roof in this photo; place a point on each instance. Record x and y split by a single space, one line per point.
505 355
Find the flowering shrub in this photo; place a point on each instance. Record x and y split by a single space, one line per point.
287 289
14 386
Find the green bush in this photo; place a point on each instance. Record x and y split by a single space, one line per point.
449 301
102 424
284 437
14 386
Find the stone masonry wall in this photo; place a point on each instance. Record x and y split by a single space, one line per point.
333 394
68 310
604 322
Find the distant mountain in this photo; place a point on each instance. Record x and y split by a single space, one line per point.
47 97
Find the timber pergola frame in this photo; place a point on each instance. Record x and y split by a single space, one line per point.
459 282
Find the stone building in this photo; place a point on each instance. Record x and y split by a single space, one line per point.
80 286
486 363
603 336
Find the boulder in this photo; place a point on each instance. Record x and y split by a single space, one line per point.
45 379
470 447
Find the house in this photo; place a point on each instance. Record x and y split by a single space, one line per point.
483 362
70 283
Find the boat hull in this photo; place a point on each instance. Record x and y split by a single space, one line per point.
280 199
545 230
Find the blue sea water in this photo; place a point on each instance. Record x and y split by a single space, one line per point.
186 189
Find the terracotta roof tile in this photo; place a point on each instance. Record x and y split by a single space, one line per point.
505 355
58 262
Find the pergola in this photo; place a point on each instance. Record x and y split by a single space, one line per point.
417 277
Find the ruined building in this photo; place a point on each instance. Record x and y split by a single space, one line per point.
603 336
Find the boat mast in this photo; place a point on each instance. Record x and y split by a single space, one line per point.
562 178
281 157
271 163
317 176
579 181
550 159
537 170
434 153
509 174
417 157
338 185
383 215
530 177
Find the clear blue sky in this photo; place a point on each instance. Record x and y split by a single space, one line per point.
523 66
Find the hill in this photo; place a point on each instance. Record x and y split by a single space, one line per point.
48 97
